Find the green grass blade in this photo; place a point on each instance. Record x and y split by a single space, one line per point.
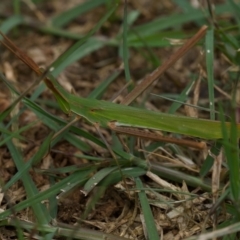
175 20
43 150
111 179
187 7
10 23
39 209
57 31
15 134
42 114
70 56
235 8
70 186
125 46
48 119
63 232
80 177
147 212
106 112
232 154
51 121
151 56
16 6
184 4
96 178
158 39
98 91
81 48
182 97
53 202
20 233
67 16
6 112
209 64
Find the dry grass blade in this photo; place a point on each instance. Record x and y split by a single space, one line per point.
155 137
20 54
160 70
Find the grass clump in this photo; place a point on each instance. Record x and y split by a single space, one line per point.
64 177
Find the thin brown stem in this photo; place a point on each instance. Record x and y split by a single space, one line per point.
160 70
155 137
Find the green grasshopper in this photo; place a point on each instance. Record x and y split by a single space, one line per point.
122 118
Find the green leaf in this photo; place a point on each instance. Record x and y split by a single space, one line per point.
152 232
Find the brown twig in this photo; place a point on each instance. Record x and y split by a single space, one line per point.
160 70
155 137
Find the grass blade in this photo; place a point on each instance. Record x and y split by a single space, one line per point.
34 160
209 64
230 144
39 209
182 97
96 178
65 232
80 48
37 198
15 134
161 23
10 23
64 18
147 212
98 91
111 179
125 46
